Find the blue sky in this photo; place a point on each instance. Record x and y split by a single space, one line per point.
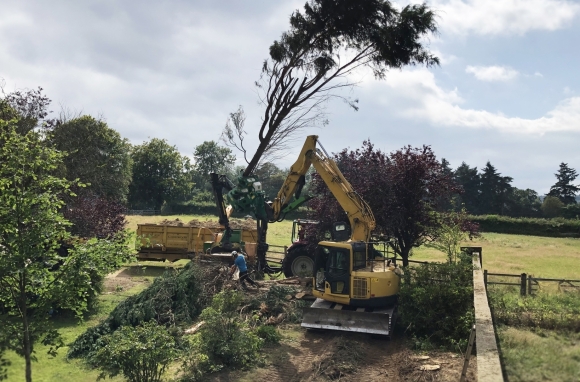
507 90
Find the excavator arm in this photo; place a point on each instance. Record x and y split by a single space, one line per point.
360 216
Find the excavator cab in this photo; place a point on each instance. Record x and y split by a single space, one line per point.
355 290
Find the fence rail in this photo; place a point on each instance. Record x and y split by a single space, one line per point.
528 284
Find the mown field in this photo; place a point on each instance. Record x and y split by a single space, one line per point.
541 256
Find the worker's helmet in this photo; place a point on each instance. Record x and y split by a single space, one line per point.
234 253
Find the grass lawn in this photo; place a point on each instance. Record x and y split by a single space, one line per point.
541 355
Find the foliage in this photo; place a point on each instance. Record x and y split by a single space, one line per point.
34 277
172 299
97 155
494 190
225 339
436 302
454 228
28 109
564 189
527 226
555 311
140 353
552 207
571 211
209 157
326 42
469 179
403 190
272 178
523 203
269 334
94 216
160 174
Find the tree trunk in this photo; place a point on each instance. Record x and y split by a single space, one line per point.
405 256
26 345
256 158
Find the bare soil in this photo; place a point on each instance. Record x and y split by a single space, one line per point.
336 356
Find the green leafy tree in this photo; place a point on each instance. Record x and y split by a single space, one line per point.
453 228
160 174
271 177
97 155
210 157
552 207
34 277
564 189
29 109
140 353
524 203
325 43
495 191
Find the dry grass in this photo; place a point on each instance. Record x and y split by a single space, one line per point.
540 355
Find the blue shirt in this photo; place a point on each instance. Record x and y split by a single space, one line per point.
240 262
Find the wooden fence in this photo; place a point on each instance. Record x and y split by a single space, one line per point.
527 284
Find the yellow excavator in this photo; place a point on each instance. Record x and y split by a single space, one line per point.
356 288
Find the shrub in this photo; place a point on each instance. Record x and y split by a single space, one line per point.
436 302
172 299
225 339
140 353
269 334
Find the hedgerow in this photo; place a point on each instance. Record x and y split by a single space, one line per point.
556 227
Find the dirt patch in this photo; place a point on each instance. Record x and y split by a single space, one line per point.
246 224
334 356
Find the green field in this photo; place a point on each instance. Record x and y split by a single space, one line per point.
541 256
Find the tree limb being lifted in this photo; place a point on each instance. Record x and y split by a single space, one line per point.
326 42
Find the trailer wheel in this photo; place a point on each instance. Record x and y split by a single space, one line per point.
299 263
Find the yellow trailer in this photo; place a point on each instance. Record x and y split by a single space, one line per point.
170 242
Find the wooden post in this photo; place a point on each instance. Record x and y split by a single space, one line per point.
530 285
467 354
523 285
485 278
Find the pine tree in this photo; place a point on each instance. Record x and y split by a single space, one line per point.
468 179
495 190
563 189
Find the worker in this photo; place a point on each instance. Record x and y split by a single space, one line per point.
240 262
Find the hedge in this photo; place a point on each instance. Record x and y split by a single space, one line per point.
557 227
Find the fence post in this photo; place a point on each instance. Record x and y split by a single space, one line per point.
523 285
485 278
530 285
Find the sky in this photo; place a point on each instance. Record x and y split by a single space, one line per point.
507 90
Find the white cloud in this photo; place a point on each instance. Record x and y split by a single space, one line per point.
494 17
538 74
492 73
414 94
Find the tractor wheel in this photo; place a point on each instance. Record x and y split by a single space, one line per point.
299 263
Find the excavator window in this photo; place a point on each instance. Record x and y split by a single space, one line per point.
359 260
338 262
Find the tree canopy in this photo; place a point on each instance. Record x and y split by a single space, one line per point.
96 154
404 190
564 189
327 41
160 174
210 157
